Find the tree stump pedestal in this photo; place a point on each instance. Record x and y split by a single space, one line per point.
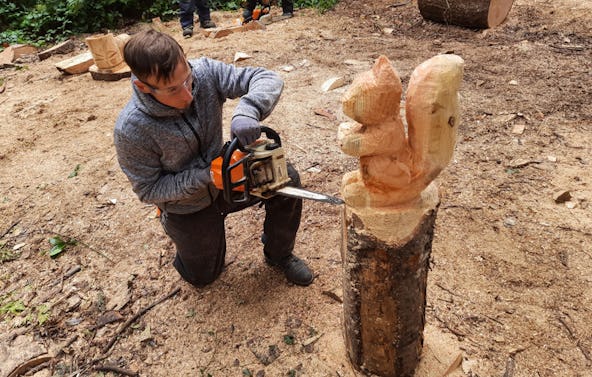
386 256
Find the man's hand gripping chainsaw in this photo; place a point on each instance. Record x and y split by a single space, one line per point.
258 169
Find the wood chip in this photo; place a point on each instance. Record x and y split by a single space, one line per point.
518 129
325 113
311 340
238 56
454 365
562 196
332 83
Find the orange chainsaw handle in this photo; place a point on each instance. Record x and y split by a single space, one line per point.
235 174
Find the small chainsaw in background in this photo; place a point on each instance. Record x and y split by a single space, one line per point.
260 170
262 9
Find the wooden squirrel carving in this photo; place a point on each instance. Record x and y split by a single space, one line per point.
394 166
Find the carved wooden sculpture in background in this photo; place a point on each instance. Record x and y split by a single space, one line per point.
391 207
481 14
107 52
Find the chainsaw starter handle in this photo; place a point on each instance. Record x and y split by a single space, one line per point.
227 167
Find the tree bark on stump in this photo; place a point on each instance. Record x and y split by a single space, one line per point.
385 281
481 14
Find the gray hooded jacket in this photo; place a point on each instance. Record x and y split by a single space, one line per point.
166 152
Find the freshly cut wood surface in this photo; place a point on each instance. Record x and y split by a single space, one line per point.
77 64
432 113
395 167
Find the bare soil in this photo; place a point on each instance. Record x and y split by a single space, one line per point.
510 285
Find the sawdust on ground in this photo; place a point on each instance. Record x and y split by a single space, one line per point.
509 288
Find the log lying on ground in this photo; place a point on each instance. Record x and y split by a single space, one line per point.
226 31
64 47
13 52
76 64
480 14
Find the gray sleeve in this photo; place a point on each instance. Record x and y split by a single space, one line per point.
259 89
140 162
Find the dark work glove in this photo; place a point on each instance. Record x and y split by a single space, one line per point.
246 129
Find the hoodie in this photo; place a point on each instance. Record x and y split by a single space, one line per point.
166 152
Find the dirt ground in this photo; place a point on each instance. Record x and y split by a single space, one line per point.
510 285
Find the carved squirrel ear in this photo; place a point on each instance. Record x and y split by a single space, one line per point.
375 95
384 72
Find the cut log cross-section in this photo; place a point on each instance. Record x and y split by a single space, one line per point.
480 14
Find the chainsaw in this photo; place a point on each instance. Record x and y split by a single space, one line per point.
262 9
259 170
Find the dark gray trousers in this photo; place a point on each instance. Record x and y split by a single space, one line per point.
188 7
200 237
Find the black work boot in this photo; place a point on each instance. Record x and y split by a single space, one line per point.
247 16
207 24
187 32
294 268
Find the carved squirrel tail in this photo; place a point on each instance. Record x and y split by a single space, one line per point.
432 114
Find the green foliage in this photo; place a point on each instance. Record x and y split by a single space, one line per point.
43 313
58 245
43 21
53 20
165 9
226 5
12 308
40 316
6 254
74 172
321 5
289 340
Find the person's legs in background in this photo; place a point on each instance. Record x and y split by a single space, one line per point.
203 12
186 9
248 10
287 8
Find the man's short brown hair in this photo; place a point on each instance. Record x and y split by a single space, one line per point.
151 53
